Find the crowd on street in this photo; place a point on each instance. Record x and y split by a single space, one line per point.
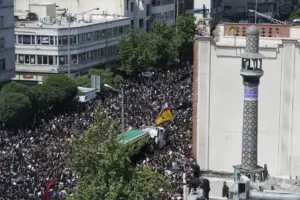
30 157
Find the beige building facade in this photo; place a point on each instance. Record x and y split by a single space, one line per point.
218 99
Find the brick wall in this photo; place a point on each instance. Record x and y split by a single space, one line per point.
266 30
195 97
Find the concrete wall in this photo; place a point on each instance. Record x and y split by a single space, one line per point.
7 32
218 101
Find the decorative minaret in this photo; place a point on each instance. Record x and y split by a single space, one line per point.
251 72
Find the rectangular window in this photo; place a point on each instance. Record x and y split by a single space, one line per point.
32 59
147 25
127 4
131 6
96 35
115 32
45 60
51 40
39 60
45 40
96 54
65 40
89 56
126 29
74 39
26 39
80 38
2 43
32 39
50 60
20 39
26 59
1 2
147 10
141 23
109 32
109 51
62 60
74 59
141 4
103 52
103 34
59 41
132 23
90 37
1 21
84 37
21 59
121 30
2 65
84 57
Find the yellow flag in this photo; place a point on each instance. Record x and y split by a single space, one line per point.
165 115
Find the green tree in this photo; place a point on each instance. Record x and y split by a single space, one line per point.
61 89
185 33
295 14
83 81
22 89
105 168
136 52
107 76
162 35
15 109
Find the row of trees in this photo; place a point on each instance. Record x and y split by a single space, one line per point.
163 46
19 103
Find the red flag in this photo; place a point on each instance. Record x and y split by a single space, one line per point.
52 182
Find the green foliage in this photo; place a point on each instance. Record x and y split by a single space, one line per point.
15 109
184 39
136 52
22 89
107 76
295 14
105 168
63 90
83 81
163 46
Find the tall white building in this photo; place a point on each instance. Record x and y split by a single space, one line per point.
141 12
7 51
42 46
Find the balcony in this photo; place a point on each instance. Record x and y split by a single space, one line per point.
266 30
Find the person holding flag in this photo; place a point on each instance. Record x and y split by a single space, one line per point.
164 115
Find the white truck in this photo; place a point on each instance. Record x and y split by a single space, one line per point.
155 133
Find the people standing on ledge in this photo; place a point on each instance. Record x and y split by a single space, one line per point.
225 190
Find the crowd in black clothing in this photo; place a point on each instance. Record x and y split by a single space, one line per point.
30 157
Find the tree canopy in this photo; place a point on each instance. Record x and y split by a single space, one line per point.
163 46
105 168
15 109
295 14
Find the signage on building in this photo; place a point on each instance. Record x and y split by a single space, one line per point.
28 77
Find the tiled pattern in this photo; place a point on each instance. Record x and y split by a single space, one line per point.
252 44
266 30
249 147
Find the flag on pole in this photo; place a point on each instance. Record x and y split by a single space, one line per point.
165 115
52 182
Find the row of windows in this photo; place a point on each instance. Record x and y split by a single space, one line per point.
161 2
2 65
74 39
164 16
63 60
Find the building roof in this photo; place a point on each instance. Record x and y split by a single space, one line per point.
85 90
131 135
79 22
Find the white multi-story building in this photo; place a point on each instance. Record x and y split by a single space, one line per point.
141 12
42 46
7 51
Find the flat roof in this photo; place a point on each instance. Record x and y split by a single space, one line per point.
85 90
41 4
95 19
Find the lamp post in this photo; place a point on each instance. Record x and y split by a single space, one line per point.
122 104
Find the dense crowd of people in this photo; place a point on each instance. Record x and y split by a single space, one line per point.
30 157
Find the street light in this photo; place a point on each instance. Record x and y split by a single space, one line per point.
69 38
267 17
122 96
